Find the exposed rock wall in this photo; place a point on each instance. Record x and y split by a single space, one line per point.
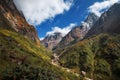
17 21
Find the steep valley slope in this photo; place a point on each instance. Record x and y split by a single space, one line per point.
22 57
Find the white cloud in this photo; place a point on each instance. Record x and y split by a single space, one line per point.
86 25
99 7
37 11
63 31
41 38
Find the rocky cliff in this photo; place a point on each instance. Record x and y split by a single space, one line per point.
51 41
9 11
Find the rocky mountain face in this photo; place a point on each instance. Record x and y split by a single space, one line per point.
78 33
51 41
16 20
109 22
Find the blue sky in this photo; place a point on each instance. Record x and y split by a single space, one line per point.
76 14
49 16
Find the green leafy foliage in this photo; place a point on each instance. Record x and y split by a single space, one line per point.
98 56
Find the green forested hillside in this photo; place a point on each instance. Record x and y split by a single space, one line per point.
98 57
22 59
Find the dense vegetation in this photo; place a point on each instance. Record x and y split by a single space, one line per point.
98 56
22 59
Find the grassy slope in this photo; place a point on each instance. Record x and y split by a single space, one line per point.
98 56
22 59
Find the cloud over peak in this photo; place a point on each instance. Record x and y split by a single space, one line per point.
63 31
37 11
99 7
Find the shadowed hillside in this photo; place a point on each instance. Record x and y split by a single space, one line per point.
98 57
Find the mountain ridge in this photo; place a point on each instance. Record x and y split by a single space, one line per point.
78 33
108 22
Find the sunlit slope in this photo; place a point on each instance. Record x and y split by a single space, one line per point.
22 59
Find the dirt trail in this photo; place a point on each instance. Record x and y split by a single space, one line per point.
55 62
